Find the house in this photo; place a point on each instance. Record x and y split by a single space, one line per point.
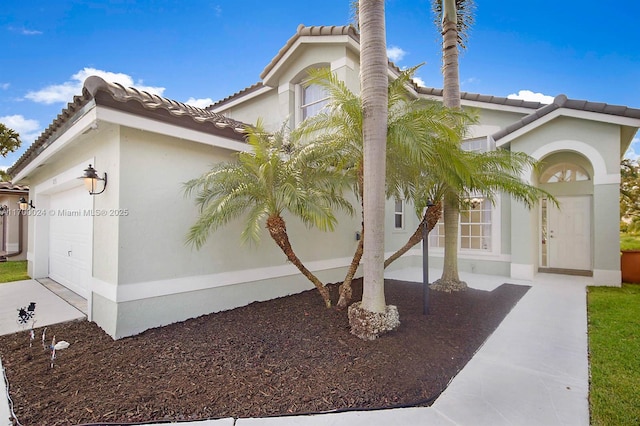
13 222
122 243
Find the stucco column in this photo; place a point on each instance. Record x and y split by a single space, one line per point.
606 235
286 98
524 247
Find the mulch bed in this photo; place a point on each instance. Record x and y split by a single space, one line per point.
284 356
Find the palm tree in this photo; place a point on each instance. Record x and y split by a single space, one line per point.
9 140
454 18
468 173
413 126
278 175
630 194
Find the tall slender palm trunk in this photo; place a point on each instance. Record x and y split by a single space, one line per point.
372 317
374 84
451 99
451 86
278 230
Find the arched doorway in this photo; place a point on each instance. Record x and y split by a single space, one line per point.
566 230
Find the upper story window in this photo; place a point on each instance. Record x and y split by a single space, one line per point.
399 214
313 99
564 172
476 145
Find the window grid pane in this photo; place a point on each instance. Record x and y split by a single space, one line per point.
475 229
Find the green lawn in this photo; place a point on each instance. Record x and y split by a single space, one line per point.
614 355
13 271
629 241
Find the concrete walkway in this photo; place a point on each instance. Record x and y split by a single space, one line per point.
533 370
49 309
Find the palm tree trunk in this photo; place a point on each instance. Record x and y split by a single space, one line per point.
450 66
451 221
345 288
374 83
431 217
450 281
278 231
451 99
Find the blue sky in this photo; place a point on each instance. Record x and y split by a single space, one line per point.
199 51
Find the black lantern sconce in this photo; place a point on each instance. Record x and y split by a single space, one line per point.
24 205
91 179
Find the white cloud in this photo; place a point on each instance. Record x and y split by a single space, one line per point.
4 86
24 31
420 82
470 80
28 129
528 95
199 103
633 153
395 54
31 32
66 91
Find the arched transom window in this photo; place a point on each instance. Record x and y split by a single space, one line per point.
564 172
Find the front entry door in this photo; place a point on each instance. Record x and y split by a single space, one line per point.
569 233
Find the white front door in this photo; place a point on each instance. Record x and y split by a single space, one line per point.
569 233
70 239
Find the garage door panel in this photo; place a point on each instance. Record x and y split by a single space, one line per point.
70 240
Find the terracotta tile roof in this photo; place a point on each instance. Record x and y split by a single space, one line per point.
9 187
137 102
93 85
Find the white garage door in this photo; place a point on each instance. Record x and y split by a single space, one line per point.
70 239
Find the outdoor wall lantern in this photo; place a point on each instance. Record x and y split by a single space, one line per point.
91 179
24 205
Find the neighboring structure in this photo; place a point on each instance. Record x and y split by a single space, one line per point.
13 222
124 249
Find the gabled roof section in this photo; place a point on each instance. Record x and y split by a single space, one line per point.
346 34
137 102
313 31
561 101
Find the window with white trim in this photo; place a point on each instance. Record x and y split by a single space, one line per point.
312 99
475 228
398 214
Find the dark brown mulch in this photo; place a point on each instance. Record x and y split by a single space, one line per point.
284 356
